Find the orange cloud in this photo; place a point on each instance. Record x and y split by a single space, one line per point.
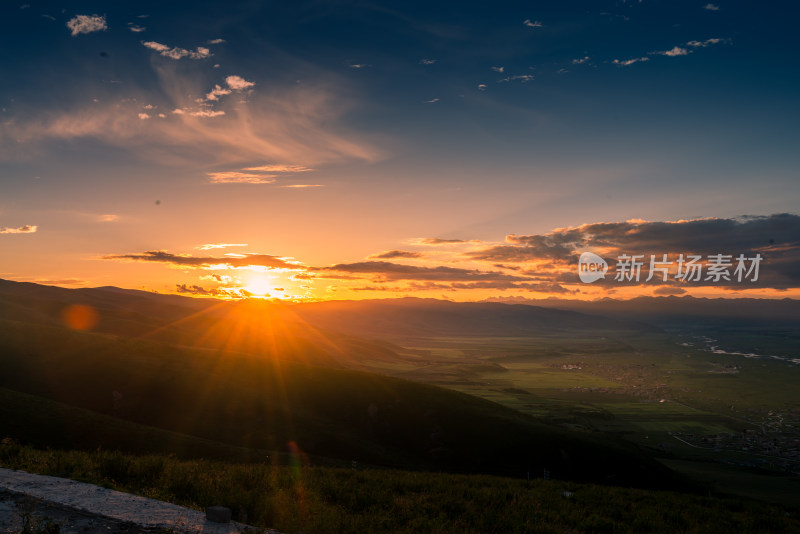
279 168
207 262
27 229
234 177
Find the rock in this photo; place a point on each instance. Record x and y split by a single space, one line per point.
218 514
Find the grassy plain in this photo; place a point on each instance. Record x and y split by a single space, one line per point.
299 498
646 388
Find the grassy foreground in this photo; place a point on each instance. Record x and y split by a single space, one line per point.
333 500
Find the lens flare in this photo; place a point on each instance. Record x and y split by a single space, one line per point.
80 317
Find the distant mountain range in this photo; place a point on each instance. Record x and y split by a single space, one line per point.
684 310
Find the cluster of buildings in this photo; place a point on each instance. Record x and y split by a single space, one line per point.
763 449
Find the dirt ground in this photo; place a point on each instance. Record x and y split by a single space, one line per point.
40 516
41 504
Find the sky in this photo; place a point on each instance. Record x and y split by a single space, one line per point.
471 150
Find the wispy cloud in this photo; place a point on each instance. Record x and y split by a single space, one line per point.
216 41
672 52
397 271
432 101
175 52
289 125
301 186
524 78
532 24
207 262
435 241
711 7
195 290
210 246
580 60
234 177
202 113
498 285
499 69
144 116
481 87
279 168
427 61
248 176
359 65
666 291
683 51
27 229
108 217
392 254
628 62
135 28
708 42
87 24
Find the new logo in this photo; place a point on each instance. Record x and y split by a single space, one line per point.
591 267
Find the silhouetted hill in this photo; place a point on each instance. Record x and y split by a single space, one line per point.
257 375
122 312
263 403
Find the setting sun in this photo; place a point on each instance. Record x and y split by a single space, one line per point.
259 285
264 286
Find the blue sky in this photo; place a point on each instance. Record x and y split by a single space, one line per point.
329 132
